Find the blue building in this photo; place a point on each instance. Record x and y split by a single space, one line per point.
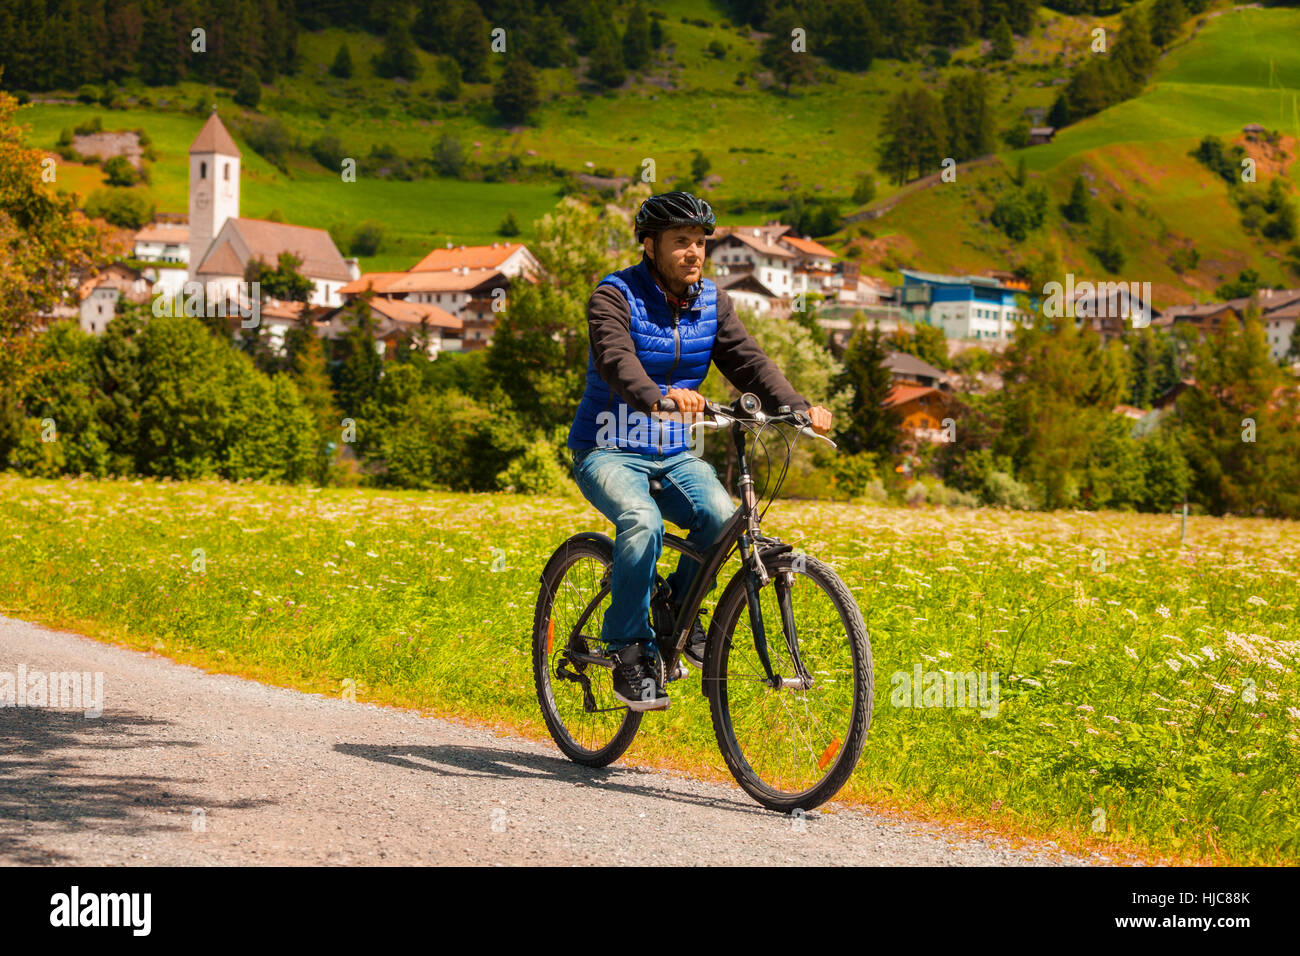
966 307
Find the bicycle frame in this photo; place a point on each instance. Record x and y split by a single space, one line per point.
743 528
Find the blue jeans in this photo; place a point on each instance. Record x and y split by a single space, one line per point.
617 482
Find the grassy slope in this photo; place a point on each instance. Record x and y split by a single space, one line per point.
1138 153
821 138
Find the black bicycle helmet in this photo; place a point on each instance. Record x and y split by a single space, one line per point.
672 209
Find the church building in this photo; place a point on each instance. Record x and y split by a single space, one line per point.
218 244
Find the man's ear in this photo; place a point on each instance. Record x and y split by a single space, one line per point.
648 244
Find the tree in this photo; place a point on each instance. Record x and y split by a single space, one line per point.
929 343
1004 41
46 247
307 364
397 58
509 225
356 375
872 425
249 91
636 38
1079 207
368 238
516 96
449 84
700 166
864 190
1167 17
1059 387
1108 250
471 46
916 135
449 156
1244 286
342 65
853 42
657 38
605 68
1017 212
1238 425
966 113
777 53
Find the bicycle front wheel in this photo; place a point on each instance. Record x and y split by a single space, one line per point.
793 746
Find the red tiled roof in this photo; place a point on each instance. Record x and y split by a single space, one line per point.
901 394
400 283
161 232
808 247
413 313
475 257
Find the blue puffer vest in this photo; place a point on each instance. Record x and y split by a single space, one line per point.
675 354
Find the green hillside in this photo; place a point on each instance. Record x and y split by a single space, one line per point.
1241 67
764 146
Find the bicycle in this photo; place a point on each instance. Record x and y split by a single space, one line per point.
824 648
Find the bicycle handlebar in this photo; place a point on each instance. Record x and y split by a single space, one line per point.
726 414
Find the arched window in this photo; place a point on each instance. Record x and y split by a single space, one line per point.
203 170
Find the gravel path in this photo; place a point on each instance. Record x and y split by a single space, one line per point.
190 768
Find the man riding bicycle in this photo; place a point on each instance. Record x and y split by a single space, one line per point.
654 328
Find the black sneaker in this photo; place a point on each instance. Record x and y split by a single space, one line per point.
695 643
634 682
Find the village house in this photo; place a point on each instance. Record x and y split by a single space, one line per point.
923 409
965 307
100 295
467 283
755 249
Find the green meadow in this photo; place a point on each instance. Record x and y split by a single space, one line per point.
1148 697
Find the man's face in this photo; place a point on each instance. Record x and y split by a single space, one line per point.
679 253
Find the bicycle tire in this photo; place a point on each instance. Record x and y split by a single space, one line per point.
601 549
730 607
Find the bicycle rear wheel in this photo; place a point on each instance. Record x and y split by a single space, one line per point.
791 747
577 698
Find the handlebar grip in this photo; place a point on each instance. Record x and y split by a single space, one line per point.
667 404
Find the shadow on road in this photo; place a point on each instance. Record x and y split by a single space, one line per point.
495 762
56 774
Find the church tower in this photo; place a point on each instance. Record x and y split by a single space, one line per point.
214 186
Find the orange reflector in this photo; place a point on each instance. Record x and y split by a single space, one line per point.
828 754
550 634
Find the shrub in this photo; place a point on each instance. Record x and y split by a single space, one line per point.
127 208
93 125
88 93
1003 491
368 238
249 91
119 171
537 471
328 150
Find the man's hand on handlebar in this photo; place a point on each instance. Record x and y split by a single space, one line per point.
688 401
820 419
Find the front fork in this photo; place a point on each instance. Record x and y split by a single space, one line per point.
754 582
